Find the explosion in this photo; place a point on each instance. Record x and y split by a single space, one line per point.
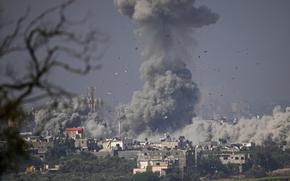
169 96
257 130
57 115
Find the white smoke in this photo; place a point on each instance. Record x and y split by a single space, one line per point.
257 130
57 115
169 95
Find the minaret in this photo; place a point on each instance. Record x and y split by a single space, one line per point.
91 99
119 124
120 128
195 154
120 117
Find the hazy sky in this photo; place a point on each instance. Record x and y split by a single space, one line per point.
243 57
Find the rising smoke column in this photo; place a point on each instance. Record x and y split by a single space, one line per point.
169 95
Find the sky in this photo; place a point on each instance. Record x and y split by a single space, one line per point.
243 58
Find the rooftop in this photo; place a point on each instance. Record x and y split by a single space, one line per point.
73 129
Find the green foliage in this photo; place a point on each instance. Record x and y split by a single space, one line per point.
264 158
84 167
87 162
256 172
194 174
209 166
61 148
270 156
212 166
13 149
146 176
78 176
173 176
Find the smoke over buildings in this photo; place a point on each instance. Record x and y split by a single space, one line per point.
255 129
53 117
169 96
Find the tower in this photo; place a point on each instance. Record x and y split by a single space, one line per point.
120 117
91 99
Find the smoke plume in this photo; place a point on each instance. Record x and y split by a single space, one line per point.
169 95
57 115
257 130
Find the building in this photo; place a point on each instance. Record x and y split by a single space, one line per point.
233 158
155 166
74 133
81 144
129 154
39 147
117 144
51 168
164 161
167 143
25 135
93 145
238 159
207 146
104 153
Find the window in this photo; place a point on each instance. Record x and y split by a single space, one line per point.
236 158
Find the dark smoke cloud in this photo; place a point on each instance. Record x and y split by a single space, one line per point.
169 95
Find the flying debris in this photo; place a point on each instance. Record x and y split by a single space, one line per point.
217 69
242 51
168 87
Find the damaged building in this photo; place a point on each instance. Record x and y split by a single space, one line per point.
164 161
